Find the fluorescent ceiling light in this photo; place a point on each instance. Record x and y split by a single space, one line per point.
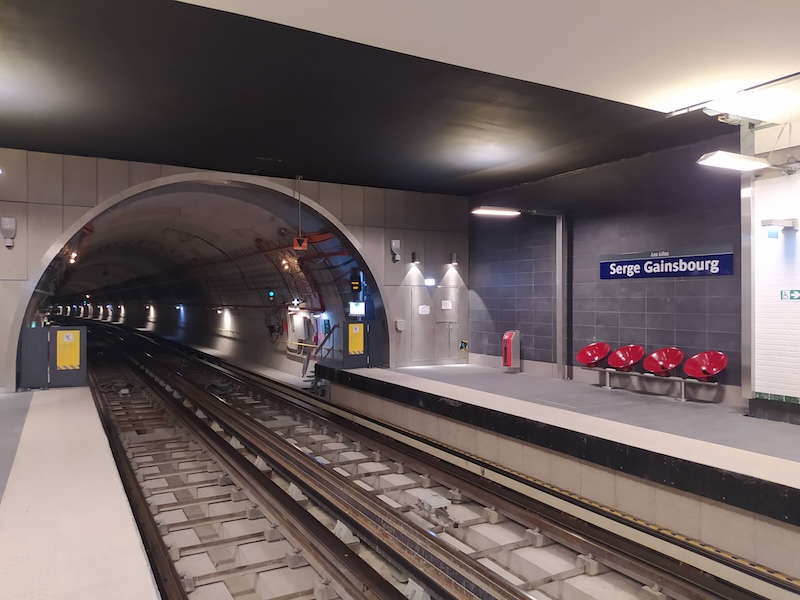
780 223
429 281
772 102
731 160
496 211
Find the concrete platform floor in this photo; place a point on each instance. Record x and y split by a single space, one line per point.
66 529
13 410
277 375
715 423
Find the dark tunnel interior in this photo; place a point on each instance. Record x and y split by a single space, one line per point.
213 264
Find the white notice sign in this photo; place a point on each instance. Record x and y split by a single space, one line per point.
447 305
424 309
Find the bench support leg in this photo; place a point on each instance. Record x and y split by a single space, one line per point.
608 380
683 391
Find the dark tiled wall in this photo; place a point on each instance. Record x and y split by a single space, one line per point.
512 286
658 201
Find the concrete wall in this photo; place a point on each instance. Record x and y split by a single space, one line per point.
738 531
433 226
47 193
659 201
776 268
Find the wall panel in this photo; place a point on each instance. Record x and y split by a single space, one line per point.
14 180
660 201
776 269
45 178
64 188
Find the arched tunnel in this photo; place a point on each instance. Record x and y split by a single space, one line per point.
212 262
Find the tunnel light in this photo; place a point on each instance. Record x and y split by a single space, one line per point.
72 261
496 211
147 306
285 267
219 311
178 306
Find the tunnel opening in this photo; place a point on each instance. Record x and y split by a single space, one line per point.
236 266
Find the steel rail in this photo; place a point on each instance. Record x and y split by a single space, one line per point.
627 556
621 554
351 576
511 503
451 574
166 577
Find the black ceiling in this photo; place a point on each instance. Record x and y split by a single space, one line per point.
162 81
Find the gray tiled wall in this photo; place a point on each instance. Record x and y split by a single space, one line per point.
512 279
658 201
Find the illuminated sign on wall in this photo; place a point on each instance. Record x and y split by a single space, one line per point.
357 309
693 262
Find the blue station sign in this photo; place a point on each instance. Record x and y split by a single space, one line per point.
694 262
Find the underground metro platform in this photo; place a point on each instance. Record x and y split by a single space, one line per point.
207 261
222 291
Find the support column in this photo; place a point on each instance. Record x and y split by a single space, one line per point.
561 297
747 147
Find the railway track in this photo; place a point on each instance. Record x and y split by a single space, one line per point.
440 531
215 523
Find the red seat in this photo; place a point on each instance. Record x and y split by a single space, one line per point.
663 360
623 359
704 365
592 354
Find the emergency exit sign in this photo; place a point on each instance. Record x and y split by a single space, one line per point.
790 294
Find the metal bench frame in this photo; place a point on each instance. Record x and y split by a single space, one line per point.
682 380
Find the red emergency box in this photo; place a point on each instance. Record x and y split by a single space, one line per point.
510 349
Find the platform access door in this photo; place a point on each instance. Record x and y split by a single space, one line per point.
53 357
446 334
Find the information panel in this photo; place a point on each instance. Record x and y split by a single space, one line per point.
68 349
355 338
692 262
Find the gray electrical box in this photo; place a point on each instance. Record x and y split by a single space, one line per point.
52 357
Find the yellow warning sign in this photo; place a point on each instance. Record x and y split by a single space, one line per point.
355 338
68 350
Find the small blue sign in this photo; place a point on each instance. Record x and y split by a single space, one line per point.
703 262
